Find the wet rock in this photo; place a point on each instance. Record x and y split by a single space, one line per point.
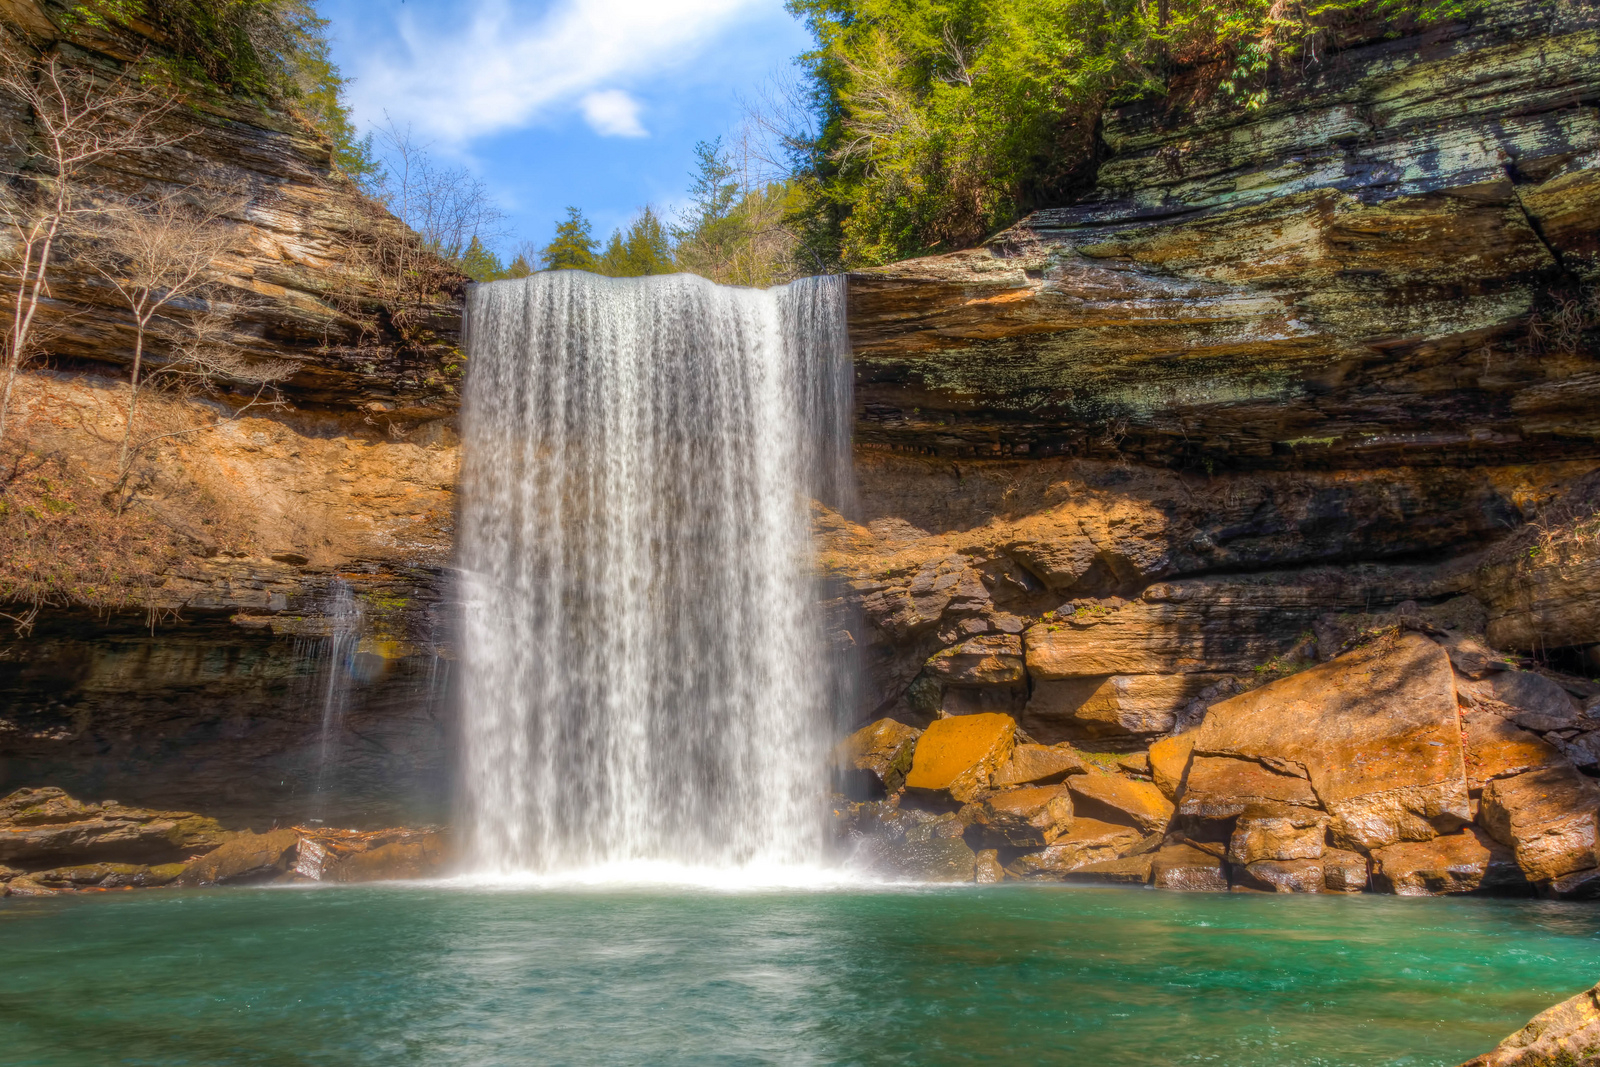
1130 870
1567 1035
1089 841
1038 765
423 856
913 845
1278 832
1375 730
988 870
1169 763
1344 871
1025 817
109 876
880 754
1186 867
25 886
959 757
1548 817
246 857
1579 885
1281 876
1140 804
1466 862
40 827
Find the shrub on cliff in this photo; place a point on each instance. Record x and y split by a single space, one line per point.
943 120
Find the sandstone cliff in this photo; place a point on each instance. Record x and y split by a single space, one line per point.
1280 374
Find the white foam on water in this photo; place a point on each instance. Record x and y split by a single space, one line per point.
645 680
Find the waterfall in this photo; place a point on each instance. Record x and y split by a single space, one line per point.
344 617
645 675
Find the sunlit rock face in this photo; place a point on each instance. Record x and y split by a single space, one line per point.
1342 278
1323 358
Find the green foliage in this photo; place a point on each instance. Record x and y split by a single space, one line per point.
271 48
480 264
943 120
737 231
519 267
573 246
643 250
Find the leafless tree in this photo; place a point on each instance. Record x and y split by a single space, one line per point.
446 206
80 116
158 254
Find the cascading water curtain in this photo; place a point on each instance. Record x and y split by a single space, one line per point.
644 663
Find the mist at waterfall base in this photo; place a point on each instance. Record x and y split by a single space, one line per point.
646 687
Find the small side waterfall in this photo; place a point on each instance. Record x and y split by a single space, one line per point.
645 675
345 618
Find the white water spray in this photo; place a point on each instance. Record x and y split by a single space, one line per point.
645 676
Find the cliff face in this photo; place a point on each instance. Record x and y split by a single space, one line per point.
1281 372
1321 357
214 690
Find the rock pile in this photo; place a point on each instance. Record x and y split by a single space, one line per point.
1417 762
51 843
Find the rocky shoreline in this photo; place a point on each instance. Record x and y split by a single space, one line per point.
1417 762
51 843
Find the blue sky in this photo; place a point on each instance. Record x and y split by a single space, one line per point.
595 103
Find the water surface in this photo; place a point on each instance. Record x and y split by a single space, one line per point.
479 976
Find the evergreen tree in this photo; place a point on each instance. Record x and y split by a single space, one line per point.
480 264
519 267
642 251
573 246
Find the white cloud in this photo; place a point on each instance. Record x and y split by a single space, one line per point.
498 66
612 113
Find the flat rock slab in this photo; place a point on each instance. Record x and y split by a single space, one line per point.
45 826
1039 764
1188 868
1139 803
961 755
1548 817
1220 787
1089 841
1376 732
1026 817
1466 862
1497 748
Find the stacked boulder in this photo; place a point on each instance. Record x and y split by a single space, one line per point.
52 843
1404 765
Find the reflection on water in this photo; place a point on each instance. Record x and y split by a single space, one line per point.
642 975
